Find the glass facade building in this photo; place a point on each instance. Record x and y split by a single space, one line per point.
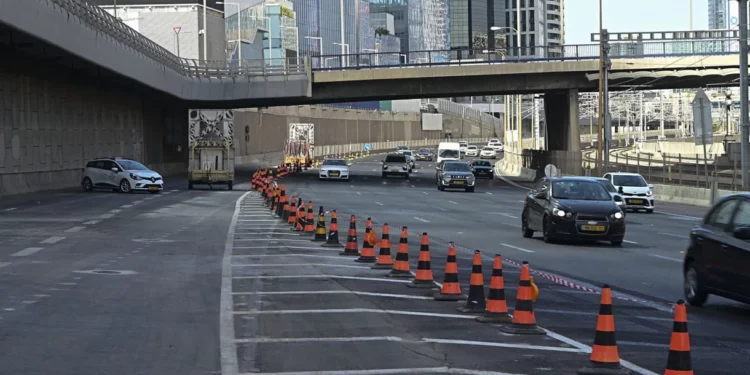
470 23
420 25
278 20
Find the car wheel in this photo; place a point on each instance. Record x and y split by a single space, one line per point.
125 186
230 185
616 242
525 231
650 211
695 292
545 230
87 185
470 189
384 175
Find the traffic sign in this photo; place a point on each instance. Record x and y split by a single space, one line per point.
177 29
367 147
702 121
551 171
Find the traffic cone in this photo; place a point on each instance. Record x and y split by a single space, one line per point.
384 261
524 322
275 203
309 220
253 180
368 251
285 212
604 357
320 229
497 307
292 211
678 361
451 290
282 201
423 278
300 217
267 192
475 303
351 239
401 265
333 231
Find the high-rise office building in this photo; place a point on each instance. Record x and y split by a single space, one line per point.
421 26
470 23
276 22
718 12
555 27
532 26
320 24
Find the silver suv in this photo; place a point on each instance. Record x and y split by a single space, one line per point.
396 165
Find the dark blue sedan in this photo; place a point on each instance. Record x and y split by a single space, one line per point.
482 168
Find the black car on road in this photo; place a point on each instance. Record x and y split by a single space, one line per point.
454 174
572 208
483 168
424 155
717 260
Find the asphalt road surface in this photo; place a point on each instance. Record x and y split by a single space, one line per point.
206 282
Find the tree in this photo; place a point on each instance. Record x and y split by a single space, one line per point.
380 31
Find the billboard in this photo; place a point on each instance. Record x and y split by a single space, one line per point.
209 3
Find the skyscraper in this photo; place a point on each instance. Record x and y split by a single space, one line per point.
532 26
421 25
717 14
470 23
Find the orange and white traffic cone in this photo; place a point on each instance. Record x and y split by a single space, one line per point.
423 278
309 220
475 303
604 358
401 265
333 232
351 248
497 307
524 321
451 290
368 243
385 261
678 361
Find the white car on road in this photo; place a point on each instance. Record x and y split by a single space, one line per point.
120 174
334 169
488 153
637 193
472 151
496 145
410 157
462 146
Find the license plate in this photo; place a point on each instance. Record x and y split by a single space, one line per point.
636 201
153 188
334 174
594 228
458 182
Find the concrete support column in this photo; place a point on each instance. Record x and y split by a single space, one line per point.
563 130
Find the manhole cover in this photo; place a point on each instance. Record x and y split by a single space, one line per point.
107 272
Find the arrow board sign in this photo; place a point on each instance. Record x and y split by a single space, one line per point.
703 128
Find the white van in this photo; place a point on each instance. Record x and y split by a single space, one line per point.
448 151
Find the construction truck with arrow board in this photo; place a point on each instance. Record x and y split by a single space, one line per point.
211 147
300 144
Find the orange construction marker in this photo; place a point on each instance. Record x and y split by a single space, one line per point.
292 217
351 239
679 361
282 201
423 278
401 265
451 290
300 217
497 307
385 261
368 243
524 321
604 356
309 226
320 228
333 232
475 303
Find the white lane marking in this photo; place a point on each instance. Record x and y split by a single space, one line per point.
674 235
425 193
354 310
52 240
27 251
587 349
41 295
422 220
665 257
255 215
413 186
256 227
228 350
359 193
9 309
393 371
378 203
258 220
74 229
488 193
92 222
68 283
351 186
126 206
106 216
633 242
509 215
678 215
298 265
503 345
315 339
452 202
322 277
5 264
9 209
174 190
304 292
517 248
29 302
114 211
347 259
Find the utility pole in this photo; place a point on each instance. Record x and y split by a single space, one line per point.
205 33
605 98
600 136
744 145
519 98
661 113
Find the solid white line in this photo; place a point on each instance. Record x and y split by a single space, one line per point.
255 227
289 247
502 345
255 215
298 265
674 235
52 240
393 371
452 202
665 258
678 215
347 259
75 229
114 211
633 242
304 292
126 206
265 220
9 209
315 339
378 203
355 310
422 220
228 350
92 222
517 248
509 215
323 277
27 251
488 193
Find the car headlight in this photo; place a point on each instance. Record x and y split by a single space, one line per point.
617 215
385 167
561 213
619 203
648 194
135 176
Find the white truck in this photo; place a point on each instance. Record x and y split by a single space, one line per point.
448 151
211 147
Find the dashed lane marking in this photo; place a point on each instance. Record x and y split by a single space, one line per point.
502 345
678 215
126 206
488 193
322 277
354 310
630 242
509 215
665 258
346 259
5 264
303 292
114 211
52 240
9 209
674 235
106 216
425 193
452 202
318 248
422 220
92 222
378 203
393 371
299 265
518 248
74 229
27 251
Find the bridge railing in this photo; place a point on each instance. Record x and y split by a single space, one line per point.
101 21
705 47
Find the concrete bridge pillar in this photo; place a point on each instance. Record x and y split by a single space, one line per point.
563 132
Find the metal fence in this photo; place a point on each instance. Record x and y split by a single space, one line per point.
99 20
708 47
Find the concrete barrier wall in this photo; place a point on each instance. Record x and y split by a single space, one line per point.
687 195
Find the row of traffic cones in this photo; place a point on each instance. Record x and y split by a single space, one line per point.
604 358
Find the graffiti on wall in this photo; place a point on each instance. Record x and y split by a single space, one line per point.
211 128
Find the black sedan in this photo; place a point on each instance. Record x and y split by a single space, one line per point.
483 168
572 208
424 155
717 260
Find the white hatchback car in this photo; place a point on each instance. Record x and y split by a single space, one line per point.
637 193
488 152
495 144
120 174
334 169
472 151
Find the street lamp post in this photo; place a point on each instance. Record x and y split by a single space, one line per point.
205 33
345 53
320 40
377 61
239 29
517 98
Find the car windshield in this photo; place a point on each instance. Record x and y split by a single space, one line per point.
488 149
395 159
607 186
629 180
456 167
407 153
334 162
448 154
482 163
472 147
463 144
130 165
424 151
402 148
579 190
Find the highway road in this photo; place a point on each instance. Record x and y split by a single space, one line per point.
206 282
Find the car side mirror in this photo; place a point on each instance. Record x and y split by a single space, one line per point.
617 198
115 169
349 164
541 195
619 190
742 233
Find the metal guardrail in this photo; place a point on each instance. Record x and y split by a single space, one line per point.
710 47
99 20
